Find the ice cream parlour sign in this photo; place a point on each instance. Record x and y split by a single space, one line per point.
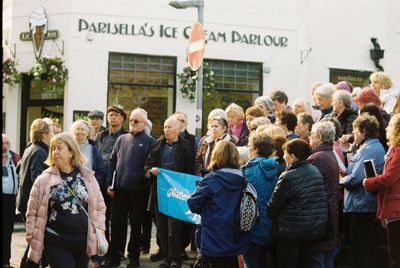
170 32
38 22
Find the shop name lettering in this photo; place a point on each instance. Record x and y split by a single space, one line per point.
163 31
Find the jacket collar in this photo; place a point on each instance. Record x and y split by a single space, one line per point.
298 164
55 174
323 147
225 137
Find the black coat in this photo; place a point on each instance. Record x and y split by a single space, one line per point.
31 166
299 204
184 163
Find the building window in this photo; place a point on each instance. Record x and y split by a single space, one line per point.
143 81
238 82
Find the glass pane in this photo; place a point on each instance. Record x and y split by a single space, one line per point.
222 100
157 101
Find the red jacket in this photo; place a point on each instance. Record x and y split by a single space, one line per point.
388 186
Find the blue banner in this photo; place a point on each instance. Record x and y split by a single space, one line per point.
173 191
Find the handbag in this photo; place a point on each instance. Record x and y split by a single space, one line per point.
102 244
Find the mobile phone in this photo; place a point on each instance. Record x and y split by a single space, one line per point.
369 168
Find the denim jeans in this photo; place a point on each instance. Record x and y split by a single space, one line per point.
323 259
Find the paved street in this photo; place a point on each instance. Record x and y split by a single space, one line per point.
19 245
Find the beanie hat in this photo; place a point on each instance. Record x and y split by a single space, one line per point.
367 95
344 85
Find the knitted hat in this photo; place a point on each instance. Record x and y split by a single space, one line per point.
367 95
344 85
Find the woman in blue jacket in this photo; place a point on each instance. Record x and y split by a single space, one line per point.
262 172
364 231
215 199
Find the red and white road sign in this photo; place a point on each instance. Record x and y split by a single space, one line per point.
196 47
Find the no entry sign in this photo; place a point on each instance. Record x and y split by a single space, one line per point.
196 46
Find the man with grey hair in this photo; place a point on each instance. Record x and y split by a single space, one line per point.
127 186
174 153
324 159
323 97
342 111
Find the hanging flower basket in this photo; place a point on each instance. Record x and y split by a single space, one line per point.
50 74
10 73
188 78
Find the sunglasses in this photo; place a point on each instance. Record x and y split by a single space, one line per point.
135 121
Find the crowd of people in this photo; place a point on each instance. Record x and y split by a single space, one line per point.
306 164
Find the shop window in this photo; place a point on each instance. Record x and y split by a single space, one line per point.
143 81
238 82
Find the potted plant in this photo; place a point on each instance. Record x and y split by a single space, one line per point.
188 78
50 74
10 73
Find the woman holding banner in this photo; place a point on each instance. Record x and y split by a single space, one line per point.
215 199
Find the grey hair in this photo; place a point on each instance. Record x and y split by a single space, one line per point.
148 127
325 130
141 110
77 123
344 96
306 104
217 113
326 90
266 101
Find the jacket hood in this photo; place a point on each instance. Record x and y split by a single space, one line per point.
231 179
265 167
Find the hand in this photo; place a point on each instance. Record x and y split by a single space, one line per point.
110 191
345 138
154 171
364 182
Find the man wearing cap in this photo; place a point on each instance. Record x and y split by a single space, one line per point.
105 141
96 118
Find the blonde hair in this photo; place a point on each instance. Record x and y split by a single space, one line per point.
394 123
234 108
383 78
274 131
38 128
224 153
66 138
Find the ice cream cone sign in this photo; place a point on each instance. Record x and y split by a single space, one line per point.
38 28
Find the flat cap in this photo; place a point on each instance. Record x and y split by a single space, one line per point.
117 109
96 113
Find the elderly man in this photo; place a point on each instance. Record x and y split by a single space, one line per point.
174 153
9 188
127 186
323 97
95 119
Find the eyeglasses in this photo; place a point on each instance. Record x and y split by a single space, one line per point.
135 121
181 120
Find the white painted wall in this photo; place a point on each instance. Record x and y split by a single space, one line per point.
338 32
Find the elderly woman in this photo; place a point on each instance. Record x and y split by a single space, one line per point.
215 199
383 86
323 158
237 125
303 127
218 128
266 104
360 204
299 194
280 102
341 102
259 121
262 172
388 187
80 129
65 205
323 97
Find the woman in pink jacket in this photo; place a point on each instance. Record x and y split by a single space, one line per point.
388 187
55 218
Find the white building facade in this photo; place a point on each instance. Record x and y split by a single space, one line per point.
130 52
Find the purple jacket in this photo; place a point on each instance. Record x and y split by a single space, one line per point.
324 159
